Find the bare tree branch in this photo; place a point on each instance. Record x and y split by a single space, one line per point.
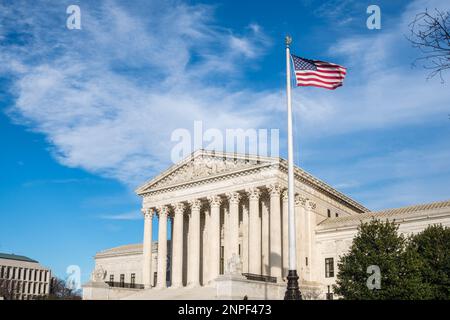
430 33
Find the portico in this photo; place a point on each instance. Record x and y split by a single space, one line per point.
224 206
222 232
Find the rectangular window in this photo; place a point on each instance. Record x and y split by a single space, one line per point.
133 280
329 267
306 261
122 280
329 213
337 214
14 273
1 271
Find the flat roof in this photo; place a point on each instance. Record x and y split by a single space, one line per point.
16 257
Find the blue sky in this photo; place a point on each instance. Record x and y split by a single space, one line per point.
86 115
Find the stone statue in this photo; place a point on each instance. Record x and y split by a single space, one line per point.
99 274
234 265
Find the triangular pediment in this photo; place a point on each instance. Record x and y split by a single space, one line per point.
204 164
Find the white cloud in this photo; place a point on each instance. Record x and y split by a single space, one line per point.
133 215
108 96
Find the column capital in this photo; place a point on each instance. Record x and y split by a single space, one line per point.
195 204
147 213
163 210
274 189
253 193
310 205
300 201
233 197
214 201
285 195
178 207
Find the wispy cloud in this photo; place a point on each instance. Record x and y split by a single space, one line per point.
108 96
34 183
133 215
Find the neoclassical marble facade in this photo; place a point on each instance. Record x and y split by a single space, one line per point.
223 206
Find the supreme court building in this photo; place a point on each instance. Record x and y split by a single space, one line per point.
222 232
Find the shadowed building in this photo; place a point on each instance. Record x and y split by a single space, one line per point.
22 278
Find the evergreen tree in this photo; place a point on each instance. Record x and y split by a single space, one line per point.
432 247
379 244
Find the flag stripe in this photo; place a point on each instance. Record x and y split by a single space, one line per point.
320 75
319 85
318 80
331 70
331 84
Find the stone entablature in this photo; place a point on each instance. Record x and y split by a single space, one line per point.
210 168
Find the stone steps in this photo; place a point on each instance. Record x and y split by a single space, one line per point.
185 293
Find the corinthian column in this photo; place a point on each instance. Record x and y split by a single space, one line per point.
245 238
194 261
265 236
214 238
310 229
300 234
147 249
285 234
205 253
162 247
233 222
226 236
275 231
177 246
254 231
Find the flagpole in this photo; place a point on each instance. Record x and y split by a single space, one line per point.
292 290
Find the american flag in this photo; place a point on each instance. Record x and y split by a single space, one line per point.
318 73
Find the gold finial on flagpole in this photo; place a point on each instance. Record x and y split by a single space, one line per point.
288 40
